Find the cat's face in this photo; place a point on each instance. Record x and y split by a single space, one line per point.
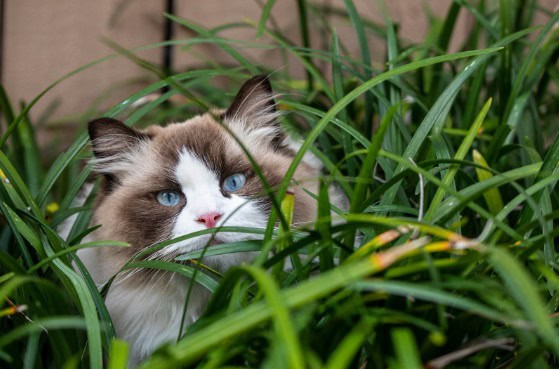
165 182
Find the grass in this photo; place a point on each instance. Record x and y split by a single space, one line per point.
446 259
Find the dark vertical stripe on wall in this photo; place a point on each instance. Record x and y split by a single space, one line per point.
167 35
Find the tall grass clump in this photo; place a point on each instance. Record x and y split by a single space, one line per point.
445 258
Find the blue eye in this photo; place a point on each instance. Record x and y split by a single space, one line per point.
168 198
234 183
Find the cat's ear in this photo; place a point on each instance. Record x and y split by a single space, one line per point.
254 111
254 103
113 143
111 138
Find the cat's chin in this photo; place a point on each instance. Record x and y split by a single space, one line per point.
201 243
209 243
216 242
218 262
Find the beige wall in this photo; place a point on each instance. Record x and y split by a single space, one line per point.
44 40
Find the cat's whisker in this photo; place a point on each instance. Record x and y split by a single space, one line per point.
170 278
127 274
166 274
150 283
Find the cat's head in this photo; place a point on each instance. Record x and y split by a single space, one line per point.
164 182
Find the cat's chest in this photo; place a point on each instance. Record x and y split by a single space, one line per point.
149 315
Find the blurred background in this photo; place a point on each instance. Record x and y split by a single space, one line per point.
42 41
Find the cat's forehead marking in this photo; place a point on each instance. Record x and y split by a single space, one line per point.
201 136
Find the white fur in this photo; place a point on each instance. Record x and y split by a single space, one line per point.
148 316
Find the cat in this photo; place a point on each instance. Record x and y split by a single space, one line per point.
163 182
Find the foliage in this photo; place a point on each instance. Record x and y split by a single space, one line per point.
446 258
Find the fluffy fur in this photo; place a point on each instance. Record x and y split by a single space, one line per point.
192 158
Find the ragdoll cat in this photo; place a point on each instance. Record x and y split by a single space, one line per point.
164 182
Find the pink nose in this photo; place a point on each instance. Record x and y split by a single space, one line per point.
209 219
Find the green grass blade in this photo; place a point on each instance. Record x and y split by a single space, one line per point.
282 321
118 356
37 326
492 196
203 279
407 354
348 348
524 291
264 17
460 154
432 294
